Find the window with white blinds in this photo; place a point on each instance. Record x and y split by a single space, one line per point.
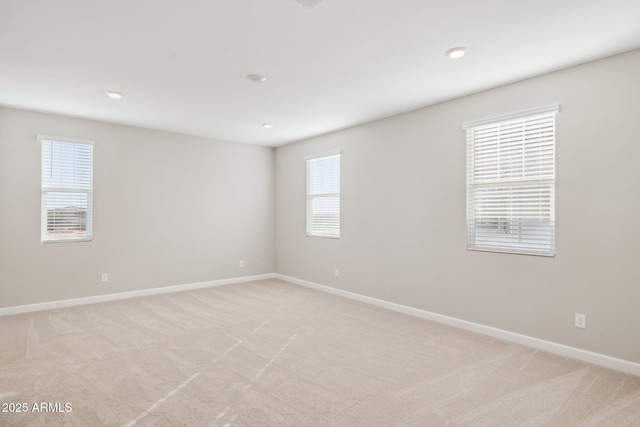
511 183
323 195
67 189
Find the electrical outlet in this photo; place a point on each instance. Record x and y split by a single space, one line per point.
241 263
581 320
337 273
104 277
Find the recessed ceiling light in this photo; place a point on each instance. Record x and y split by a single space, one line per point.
114 95
456 52
267 125
257 78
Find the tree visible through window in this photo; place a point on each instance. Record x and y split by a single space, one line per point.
67 189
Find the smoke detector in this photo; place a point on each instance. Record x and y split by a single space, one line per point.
309 4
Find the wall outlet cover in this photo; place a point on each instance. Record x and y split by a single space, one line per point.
581 320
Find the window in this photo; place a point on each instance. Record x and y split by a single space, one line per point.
511 183
67 186
323 195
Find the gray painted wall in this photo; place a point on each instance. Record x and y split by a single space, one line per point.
403 213
172 209
169 209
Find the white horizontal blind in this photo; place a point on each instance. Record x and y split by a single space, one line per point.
67 190
323 196
511 185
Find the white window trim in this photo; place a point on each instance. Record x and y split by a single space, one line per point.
309 197
43 214
505 119
554 108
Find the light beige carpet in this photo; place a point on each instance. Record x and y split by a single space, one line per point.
274 354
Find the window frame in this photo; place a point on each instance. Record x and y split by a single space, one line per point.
498 195
45 190
332 231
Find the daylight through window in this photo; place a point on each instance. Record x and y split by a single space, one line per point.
323 195
67 189
511 184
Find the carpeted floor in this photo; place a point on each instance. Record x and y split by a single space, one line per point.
274 354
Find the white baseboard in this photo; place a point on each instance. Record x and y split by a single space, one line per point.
133 294
598 359
548 346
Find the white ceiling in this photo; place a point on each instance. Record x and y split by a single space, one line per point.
181 64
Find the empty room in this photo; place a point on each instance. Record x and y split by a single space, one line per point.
320 213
